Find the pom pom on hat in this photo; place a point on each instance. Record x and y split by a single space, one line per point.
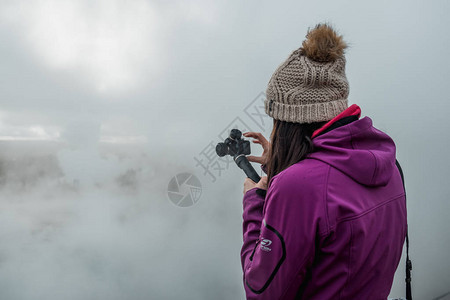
323 44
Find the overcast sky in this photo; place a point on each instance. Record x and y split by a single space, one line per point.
160 81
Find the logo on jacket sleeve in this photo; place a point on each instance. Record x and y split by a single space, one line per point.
265 243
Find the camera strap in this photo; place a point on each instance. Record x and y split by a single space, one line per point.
408 261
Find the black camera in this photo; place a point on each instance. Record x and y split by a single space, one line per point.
233 145
238 148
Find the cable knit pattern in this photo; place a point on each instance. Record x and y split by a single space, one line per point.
304 91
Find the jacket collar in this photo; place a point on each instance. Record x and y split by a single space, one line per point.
352 113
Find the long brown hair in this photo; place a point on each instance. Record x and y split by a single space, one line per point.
290 142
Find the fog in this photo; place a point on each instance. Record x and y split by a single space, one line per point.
103 104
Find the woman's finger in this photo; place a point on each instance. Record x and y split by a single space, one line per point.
262 184
257 159
259 138
256 135
248 184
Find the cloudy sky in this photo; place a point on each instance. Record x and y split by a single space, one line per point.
103 102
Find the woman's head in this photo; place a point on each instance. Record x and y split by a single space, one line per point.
290 142
307 90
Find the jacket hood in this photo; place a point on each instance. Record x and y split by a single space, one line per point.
359 150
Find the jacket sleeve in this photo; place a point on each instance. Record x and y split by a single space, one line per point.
279 235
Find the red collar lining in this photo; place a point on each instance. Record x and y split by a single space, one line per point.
353 110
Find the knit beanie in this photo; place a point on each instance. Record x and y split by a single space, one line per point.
310 86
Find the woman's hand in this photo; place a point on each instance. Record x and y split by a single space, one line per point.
249 184
258 139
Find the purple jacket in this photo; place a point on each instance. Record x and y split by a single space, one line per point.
331 226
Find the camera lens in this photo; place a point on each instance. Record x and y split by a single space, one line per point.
221 149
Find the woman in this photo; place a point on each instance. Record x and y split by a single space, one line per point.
333 220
